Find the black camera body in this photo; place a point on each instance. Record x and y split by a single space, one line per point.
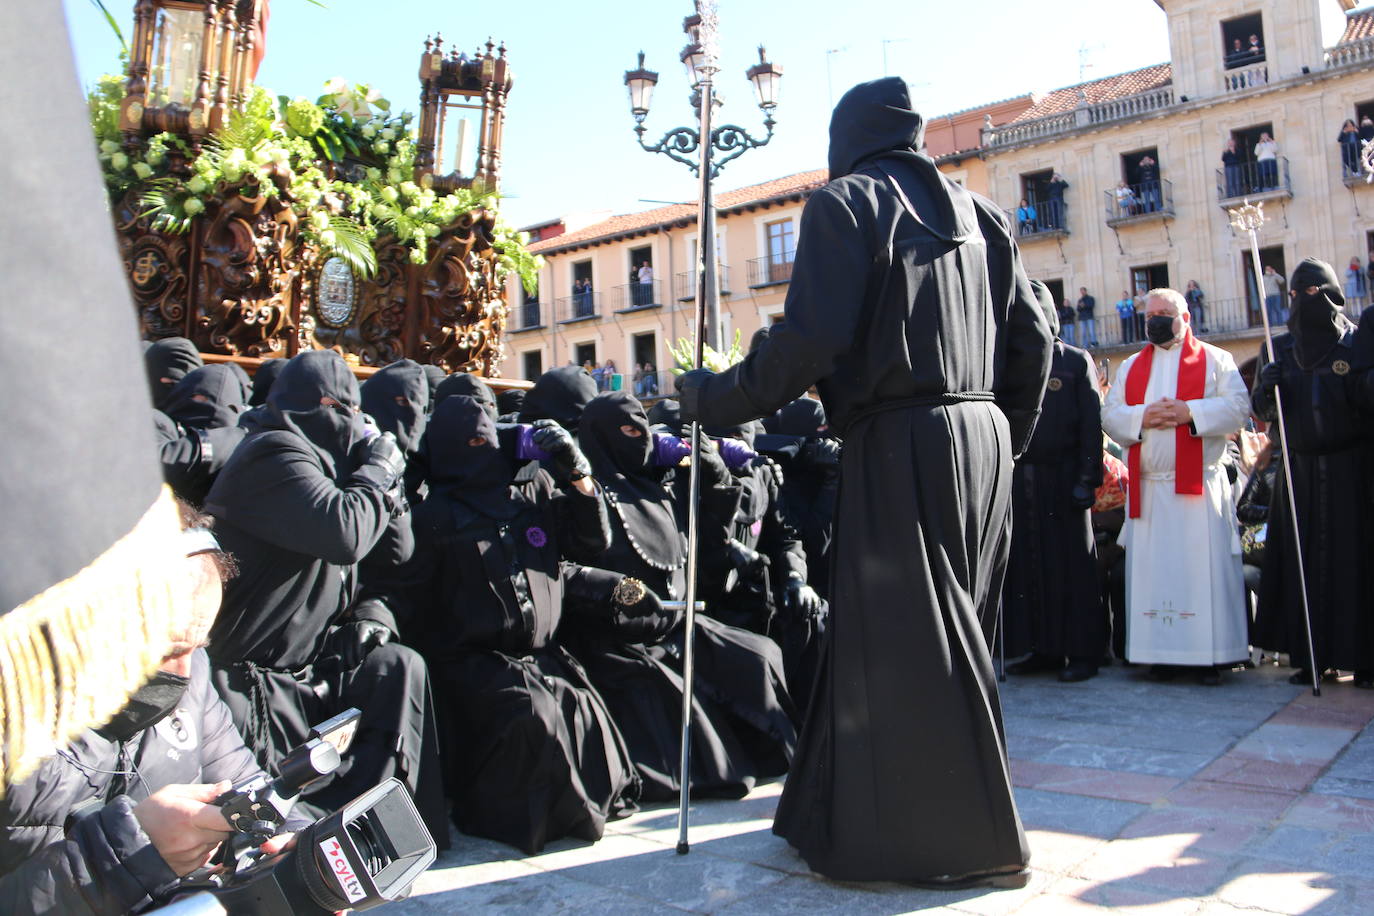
367 853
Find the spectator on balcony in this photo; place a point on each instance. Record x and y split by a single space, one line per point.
1230 163
1125 199
1125 310
646 284
1056 188
1366 129
1267 159
650 381
1026 217
1236 56
1066 322
611 373
1255 52
1196 305
1349 140
582 298
1273 295
1354 280
1087 319
1149 183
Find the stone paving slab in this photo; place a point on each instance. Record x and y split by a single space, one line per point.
1140 798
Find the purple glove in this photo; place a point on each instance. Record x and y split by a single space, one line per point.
669 450
735 453
525 449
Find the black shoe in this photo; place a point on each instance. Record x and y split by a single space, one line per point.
1002 880
1036 663
1161 673
1210 677
1077 671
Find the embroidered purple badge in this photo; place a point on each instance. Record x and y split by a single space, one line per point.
536 536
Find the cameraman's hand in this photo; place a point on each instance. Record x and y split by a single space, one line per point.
282 842
183 824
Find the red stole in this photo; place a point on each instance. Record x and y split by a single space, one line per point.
1192 384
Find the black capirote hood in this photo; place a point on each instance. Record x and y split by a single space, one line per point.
294 405
210 397
560 395
264 379
382 396
170 358
872 118
1316 321
467 385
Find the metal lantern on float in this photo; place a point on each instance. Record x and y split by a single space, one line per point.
462 110
189 64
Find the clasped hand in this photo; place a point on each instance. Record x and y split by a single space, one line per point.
1166 413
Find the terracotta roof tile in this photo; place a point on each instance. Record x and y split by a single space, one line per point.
1358 26
1104 90
630 223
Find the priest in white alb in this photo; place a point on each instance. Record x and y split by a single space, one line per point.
1172 407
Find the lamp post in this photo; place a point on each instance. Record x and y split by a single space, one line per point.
700 57
705 159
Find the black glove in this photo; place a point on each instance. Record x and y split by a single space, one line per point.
821 452
1270 375
802 599
383 462
689 386
350 642
1082 496
714 472
747 561
566 458
638 614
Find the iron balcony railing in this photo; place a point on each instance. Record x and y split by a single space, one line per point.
579 306
685 284
526 316
1213 317
771 269
638 296
1138 202
1040 219
1256 180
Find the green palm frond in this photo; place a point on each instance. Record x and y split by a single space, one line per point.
349 242
113 23
165 211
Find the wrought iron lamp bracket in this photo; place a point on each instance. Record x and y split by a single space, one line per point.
677 144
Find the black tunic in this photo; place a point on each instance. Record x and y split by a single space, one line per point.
1051 603
298 514
532 753
743 726
910 311
1328 445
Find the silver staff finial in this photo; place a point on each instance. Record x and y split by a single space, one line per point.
1247 217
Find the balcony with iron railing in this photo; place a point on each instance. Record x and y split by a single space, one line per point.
634 296
770 270
1256 181
1127 108
1046 219
579 307
1138 203
686 283
525 316
1212 319
1245 78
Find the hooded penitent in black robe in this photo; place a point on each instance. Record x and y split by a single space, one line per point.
167 361
264 379
1329 438
810 484
468 385
1051 603
509 402
397 397
560 394
298 512
532 754
204 410
434 375
742 728
910 311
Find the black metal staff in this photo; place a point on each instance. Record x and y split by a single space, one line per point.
1248 218
679 144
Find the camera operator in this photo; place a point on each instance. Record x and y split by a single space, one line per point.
126 808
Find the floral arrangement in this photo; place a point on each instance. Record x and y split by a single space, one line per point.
284 145
684 355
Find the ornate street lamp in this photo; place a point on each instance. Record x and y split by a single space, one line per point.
713 148
190 62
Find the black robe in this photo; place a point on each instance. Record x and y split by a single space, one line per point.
1329 440
743 727
1051 603
531 752
910 311
298 514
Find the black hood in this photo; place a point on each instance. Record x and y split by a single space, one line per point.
397 397
668 414
1045 298
608 449
210 397
466 385
510 401
263 380
560 395
1316 321
170 358
479 476
294 405
434 375
873 118
803 417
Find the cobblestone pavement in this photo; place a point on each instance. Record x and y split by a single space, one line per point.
1253 797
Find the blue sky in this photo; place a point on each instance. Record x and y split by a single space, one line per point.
569 145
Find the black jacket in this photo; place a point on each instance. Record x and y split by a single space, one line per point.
105 863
